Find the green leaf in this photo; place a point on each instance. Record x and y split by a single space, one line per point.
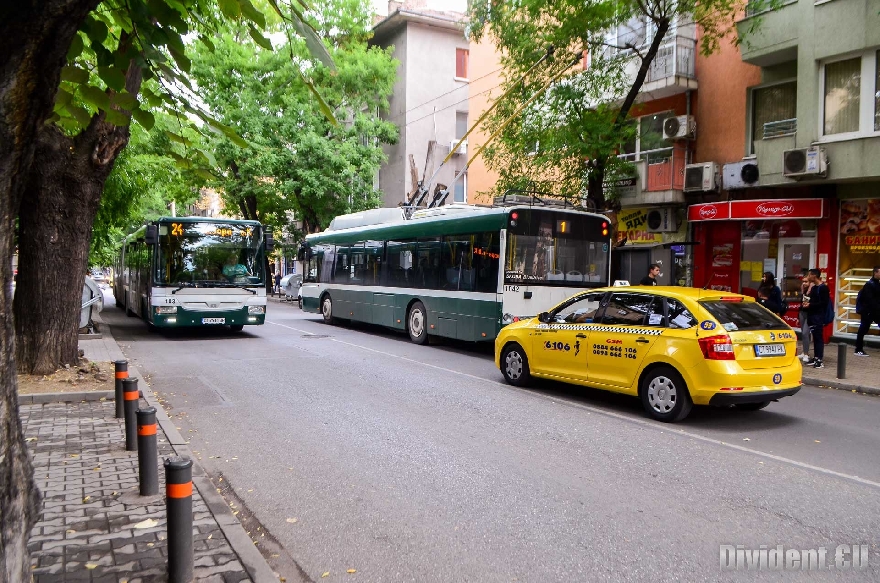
208 156
178 138
113 77
310 35
207 42
206 174
117 118
182 60
80 114
259 38
96 30
76 47
325 109
95 96
63 98
124 100
251 13
230 9
74 74
145 118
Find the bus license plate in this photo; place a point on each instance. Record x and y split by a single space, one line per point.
769 349
213 320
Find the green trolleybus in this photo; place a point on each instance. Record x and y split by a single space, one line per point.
458 271
194 271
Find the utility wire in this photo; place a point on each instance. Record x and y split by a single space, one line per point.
445 94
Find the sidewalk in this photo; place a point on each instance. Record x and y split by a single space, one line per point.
862 374
94 525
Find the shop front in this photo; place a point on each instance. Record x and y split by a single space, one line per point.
859 253
740 240
648 236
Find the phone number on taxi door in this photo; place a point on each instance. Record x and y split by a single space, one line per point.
614 351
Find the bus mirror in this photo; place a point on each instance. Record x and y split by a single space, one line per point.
544 317
151 237
304 253
270 242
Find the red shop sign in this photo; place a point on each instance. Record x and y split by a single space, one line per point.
798 208
716 211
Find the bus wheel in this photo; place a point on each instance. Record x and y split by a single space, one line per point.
515 365
417 323
236 327
327 309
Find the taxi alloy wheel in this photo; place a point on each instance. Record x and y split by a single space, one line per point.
417 323
665 396
327 309
515 365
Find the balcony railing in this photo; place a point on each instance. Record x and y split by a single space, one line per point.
758 6
676 58
664 168
783 127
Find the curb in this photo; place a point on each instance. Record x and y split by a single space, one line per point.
251 559
844 386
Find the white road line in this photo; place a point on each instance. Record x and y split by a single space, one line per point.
643 422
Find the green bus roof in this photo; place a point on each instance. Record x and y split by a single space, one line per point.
477 220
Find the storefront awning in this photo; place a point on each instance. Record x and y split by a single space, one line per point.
796 208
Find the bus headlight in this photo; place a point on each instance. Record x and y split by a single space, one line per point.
256 309
166 309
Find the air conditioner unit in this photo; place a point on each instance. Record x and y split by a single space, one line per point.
662 220
699 177
741 174
462 149
804 162
682 127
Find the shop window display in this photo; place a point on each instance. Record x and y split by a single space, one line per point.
859 253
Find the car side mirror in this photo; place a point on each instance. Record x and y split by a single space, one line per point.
544 317
151 237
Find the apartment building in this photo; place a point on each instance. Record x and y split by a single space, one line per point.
429 102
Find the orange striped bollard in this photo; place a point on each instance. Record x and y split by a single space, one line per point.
148 457
121 373
178 508
130 397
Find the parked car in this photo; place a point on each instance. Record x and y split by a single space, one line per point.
672 347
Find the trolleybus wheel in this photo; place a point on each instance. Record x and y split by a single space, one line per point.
327 309
417 323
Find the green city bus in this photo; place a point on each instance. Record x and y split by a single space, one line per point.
194 271
458 271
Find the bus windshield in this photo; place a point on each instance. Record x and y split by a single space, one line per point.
552 248
209 253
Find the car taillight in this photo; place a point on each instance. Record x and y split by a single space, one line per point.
717 347
732 299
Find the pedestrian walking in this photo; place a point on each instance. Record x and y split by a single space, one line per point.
651 278
816 303
277 283
868 307
806 287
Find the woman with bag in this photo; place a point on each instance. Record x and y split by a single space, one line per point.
769 294
806 288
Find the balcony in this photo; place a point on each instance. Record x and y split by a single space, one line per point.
661 176
673 69
774 38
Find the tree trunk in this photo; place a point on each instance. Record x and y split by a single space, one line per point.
55 223
34 38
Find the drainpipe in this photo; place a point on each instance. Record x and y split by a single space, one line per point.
687 97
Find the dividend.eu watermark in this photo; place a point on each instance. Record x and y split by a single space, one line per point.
782 558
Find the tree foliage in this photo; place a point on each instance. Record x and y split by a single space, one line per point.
296 164
572 135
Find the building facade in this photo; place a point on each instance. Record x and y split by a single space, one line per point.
429 101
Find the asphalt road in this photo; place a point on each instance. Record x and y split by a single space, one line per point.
359 450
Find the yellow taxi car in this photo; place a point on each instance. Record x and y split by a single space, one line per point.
672 347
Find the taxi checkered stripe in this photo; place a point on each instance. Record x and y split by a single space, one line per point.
616 329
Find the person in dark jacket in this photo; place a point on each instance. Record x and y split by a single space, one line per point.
769 294
651 278
869 304
817 303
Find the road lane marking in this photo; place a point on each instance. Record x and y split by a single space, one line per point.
643 422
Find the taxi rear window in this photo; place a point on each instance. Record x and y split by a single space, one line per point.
743 316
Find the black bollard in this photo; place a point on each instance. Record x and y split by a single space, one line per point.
178 507
130 396
148 458
121 373
841 360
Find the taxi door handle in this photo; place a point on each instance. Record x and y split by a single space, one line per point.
581 336
642 340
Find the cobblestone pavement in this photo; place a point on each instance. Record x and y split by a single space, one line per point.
94 525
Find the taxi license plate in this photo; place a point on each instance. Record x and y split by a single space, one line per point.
213 320
769 350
